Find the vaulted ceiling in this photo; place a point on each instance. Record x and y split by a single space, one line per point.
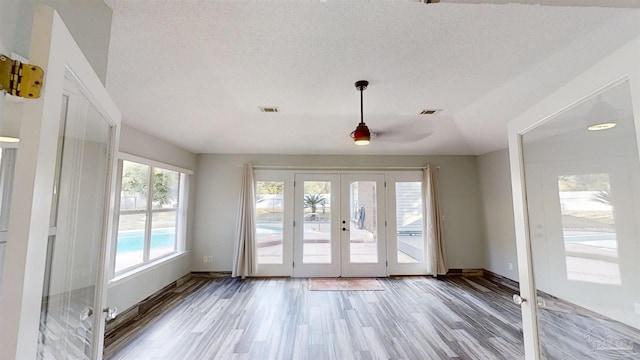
196 72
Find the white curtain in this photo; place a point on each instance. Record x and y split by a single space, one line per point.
436 258
243 263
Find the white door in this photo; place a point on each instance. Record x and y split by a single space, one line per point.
362 225
316 225
274 217
339 227
57 240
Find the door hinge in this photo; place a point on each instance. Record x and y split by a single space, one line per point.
385 223
18 79
387 263
294 223
293 264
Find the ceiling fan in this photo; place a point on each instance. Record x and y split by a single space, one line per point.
411 131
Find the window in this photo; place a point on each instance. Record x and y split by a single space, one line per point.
151 214
270 221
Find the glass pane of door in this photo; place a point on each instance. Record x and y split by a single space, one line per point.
582 176
363 236
316 235
76 235
270 222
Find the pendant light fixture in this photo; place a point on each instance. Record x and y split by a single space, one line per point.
361 135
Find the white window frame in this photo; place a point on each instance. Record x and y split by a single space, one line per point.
284 269
181 223
395 267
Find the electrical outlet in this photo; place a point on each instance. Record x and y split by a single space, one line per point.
207 259
510 266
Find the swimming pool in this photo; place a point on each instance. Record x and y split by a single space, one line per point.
264 229
133 240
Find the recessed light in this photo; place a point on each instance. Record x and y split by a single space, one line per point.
9 139
430 111
601 126
269 109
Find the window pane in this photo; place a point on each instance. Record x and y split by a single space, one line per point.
135 186
316 244
269 221
163 233
130 243
363 240
166 185
409 222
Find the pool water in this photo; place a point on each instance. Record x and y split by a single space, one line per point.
263 229
134 240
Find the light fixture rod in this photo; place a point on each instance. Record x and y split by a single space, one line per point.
361 108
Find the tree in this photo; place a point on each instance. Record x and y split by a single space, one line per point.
135 180
270 187
165 186
313 200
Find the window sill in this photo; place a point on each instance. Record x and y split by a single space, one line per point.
145 268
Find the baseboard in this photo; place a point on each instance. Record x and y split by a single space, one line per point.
465 272
210 274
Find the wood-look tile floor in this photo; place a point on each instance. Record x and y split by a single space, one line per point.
413 318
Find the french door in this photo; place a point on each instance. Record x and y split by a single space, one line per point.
339 225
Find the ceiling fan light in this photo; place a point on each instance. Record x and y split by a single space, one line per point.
361 135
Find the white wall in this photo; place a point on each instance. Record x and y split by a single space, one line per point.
218 188
89 21
127 292
497 210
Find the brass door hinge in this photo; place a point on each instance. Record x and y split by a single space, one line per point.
18 79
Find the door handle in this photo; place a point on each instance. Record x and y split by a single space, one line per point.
518 300
86 313
111 313
345 229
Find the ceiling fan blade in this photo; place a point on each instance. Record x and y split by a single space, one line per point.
398 137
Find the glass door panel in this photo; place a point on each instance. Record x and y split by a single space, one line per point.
316 234
270 221
583 203
77 231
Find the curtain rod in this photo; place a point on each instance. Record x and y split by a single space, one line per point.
284 167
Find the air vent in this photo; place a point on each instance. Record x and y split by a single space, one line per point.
430 111
266 109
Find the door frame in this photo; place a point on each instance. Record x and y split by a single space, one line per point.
332 269
53 49
348 269
283 269
622 65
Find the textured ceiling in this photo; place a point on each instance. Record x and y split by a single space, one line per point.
195 72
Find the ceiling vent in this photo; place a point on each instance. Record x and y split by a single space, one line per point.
430 111
267 109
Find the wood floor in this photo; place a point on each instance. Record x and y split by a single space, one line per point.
413 318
